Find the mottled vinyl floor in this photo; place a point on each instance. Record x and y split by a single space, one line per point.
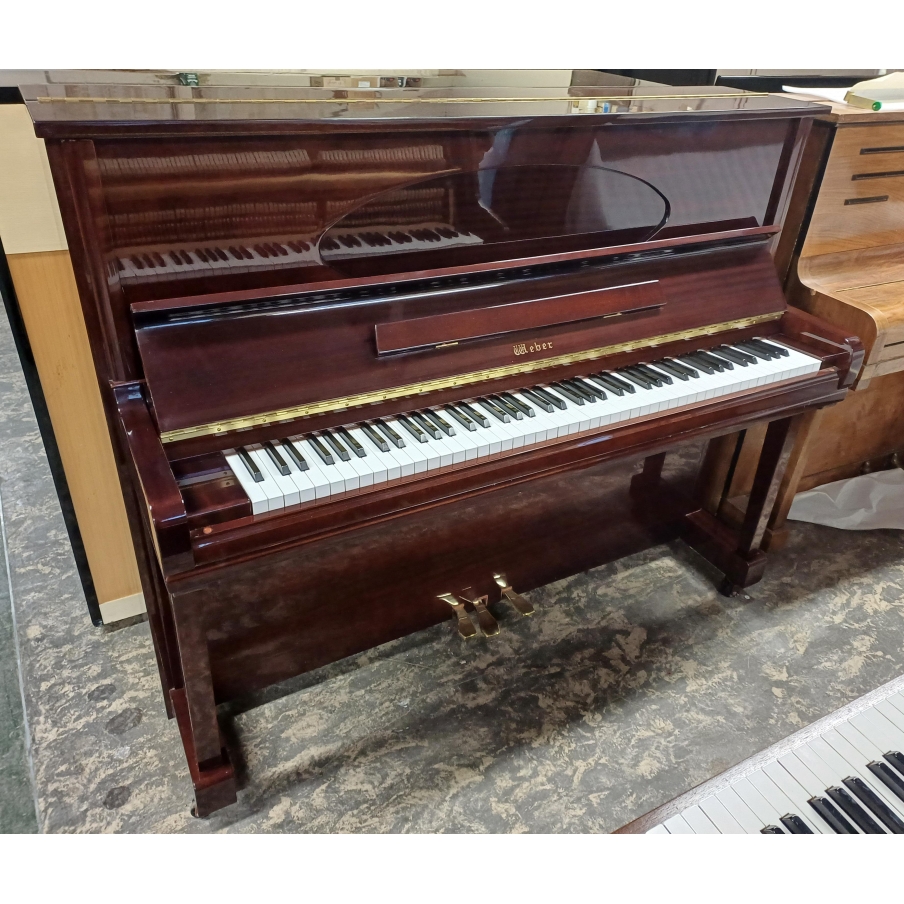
631 684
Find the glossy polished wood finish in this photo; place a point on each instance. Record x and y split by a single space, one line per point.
237 258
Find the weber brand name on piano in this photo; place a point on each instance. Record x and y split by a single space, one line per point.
524 348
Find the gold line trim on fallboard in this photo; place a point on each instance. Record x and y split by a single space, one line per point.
380 100
468 379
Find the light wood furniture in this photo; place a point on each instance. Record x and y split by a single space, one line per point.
35 246
847 267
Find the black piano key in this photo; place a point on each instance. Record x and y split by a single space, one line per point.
760 353
538 400
413 429
730 358
426 424
586 385
795 825
772 830
862 791
699 363
780 350
256 474
827 810
461 417
517 403
610 381
440 421
549 397
276 458
374 437
511 410
295 455
638 379
656 376
571 394
852 809
747 356
390 434
888 777
582 391
351 442
896 759
325 455
671 368
497 412
338 448
720 364
473 413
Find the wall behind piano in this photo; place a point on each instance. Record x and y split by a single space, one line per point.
32 234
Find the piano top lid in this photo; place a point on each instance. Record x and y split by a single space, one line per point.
73 111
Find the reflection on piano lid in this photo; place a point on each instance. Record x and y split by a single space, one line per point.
842 775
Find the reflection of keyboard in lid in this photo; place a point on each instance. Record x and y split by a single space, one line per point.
205 258
373 240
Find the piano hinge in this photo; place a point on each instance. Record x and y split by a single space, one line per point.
461 380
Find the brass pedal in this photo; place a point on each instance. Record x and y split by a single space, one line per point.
465 625
485 619
518 601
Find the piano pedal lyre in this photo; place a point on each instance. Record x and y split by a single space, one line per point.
485 619
465 625
508 593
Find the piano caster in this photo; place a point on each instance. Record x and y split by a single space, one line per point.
518 601
465 625
729 588
485 619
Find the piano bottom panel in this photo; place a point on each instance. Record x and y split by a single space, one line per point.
294 610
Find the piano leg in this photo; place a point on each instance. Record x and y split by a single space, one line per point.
211 771
738 553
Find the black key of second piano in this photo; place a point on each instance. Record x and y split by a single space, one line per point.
736 353
726 354
256 474
587 386
720 364
276 458
670 368
875 804
830 814
638 379
550 397
772 830
610 381
759 352
682 366
656 376
295 455
888 777
860 817
582 391
699 363
795 825
780 350
896 759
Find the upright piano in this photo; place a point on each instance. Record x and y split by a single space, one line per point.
377 359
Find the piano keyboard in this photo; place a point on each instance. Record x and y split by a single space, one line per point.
845 779
375 453
235 257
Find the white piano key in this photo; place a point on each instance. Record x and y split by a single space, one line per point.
897 701
798 796
878 729
287 487
762 808
259 502
658 830
740 812
319 481
719 816
782 802
887 709
678 825
699 821
335 477
375 458
275 498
